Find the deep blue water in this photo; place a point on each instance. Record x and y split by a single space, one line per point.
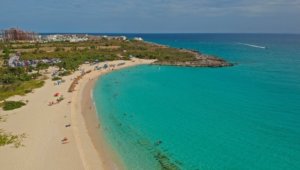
241 117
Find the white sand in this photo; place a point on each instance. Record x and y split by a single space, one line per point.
44 127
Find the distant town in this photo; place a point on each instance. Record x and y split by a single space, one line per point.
16 34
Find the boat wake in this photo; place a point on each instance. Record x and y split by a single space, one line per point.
252 45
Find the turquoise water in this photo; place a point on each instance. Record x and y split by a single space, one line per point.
241 117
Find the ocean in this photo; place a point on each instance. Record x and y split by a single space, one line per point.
241 117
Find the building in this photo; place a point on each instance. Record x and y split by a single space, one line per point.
15 34
138 39
67 37
122 38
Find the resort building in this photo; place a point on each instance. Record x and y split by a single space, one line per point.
15 34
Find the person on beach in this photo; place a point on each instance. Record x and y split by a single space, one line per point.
64 140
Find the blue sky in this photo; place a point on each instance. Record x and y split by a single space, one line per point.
152 16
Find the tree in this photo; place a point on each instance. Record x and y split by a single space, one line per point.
6 52
8 79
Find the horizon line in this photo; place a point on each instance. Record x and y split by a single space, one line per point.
165 33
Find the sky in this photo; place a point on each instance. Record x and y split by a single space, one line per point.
152 16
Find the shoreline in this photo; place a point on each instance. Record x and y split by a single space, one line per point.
93 125
105 152
46 125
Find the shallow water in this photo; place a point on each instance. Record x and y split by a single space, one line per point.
241 117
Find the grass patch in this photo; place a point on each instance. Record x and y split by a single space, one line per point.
56 78
65 73
19 89
8 138
11 105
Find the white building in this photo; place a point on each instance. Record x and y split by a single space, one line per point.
138 38
70 38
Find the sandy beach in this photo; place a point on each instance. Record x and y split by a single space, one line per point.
46 126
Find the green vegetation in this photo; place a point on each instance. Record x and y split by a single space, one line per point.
14 75
74 54
11 105
56 78
65 73
17 81
8 138
20 88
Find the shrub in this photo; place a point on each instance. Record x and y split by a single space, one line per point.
19 88
8 138
65 73
28 91
11 105
56 78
